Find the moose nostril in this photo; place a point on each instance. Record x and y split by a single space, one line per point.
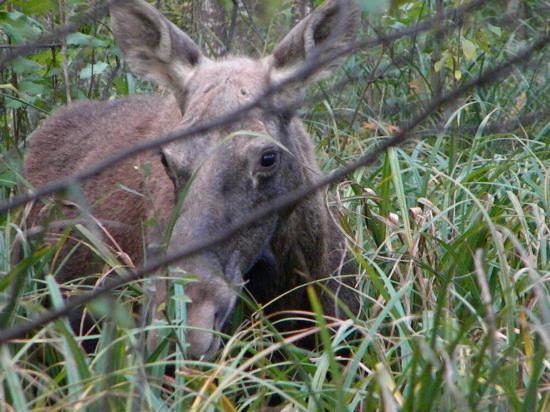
219 318
163 159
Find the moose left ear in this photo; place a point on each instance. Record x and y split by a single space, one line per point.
152 46
331 27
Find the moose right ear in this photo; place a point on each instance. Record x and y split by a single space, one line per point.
330 28
152 46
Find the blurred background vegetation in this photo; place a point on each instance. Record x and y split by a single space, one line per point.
450 232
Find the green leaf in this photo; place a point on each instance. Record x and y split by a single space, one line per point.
25 66
445 60
15 103
32 88
469 49
13 381
374 6
122 316
33 7
100 307
106 307
18 26
482 42
81 39
494 29
120 85
75 360
93 69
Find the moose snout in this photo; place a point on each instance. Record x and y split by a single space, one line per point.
211 300
201 336
205 319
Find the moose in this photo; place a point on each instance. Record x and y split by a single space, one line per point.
226 172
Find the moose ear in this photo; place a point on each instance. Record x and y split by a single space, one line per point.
152 46
331 27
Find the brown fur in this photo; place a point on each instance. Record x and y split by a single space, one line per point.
230 180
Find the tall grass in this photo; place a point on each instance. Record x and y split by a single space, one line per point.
450 235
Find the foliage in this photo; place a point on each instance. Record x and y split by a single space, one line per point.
450 233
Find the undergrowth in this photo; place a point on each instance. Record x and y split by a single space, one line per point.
450 235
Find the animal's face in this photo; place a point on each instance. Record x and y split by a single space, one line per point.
229 171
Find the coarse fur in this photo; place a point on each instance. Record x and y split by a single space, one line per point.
234 169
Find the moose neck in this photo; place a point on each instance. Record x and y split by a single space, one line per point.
298 254
302 244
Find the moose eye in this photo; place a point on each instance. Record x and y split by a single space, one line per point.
268 159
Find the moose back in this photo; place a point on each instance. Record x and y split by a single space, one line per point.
267 154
